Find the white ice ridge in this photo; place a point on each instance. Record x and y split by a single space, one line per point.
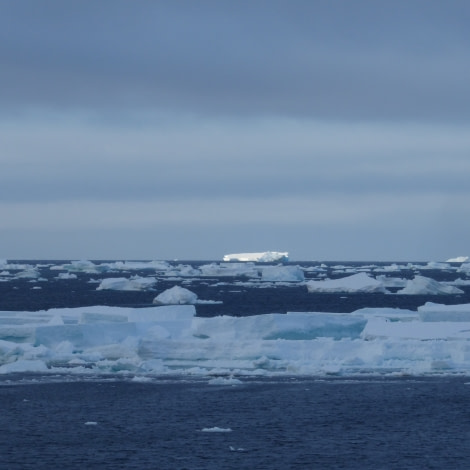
169 340
263 257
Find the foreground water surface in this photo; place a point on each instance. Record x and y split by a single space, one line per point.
260 424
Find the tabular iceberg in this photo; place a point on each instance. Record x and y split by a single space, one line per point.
263 257
458 259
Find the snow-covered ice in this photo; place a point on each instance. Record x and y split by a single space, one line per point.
135 283
363 283
359 282
168 340
421 285
229 269
175 296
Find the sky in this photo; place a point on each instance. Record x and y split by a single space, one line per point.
182 129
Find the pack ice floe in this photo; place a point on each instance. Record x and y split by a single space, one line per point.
168 340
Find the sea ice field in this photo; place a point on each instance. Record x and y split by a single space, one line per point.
233 320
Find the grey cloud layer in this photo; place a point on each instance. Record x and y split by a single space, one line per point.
46 162
320 59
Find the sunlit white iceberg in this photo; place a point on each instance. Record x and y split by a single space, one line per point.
458 259
263 257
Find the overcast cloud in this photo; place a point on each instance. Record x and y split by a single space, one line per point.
189 129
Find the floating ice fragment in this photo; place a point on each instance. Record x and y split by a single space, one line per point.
421 285
464 268
137 265
30 273
229 269
84 266
216 429
135 283
91 423
436 265
176 296
225 381
66 276
360 282
141 379
282 274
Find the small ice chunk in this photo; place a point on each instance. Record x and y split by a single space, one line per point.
234 449
66 276
176 296
141 379
225 381
216 429
30 273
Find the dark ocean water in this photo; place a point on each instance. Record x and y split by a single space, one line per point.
303 424
238 296
289 423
